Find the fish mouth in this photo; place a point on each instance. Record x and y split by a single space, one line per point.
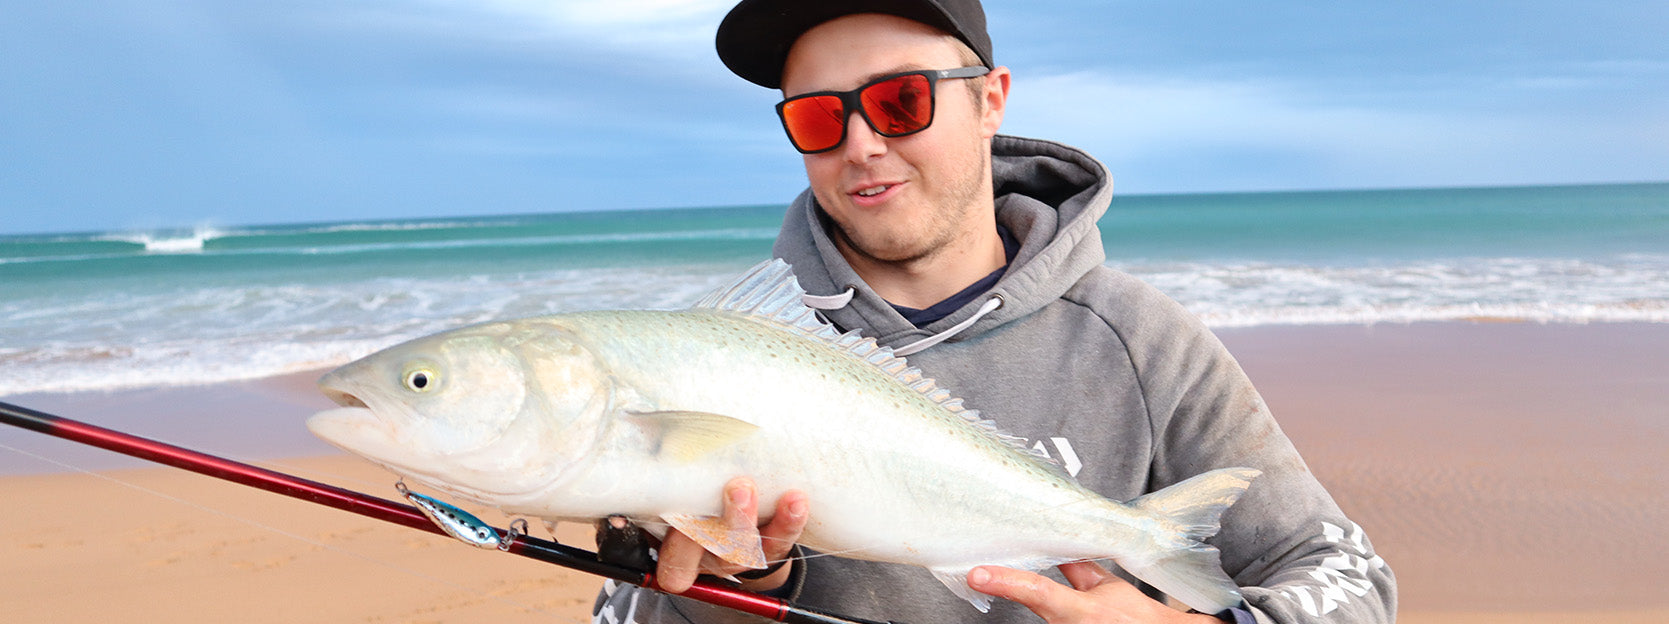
340 387
356 428
351 426
343 398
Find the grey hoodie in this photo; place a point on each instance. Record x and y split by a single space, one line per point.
1125 387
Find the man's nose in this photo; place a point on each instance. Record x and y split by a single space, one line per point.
862 142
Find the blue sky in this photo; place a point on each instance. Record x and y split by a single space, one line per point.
122 114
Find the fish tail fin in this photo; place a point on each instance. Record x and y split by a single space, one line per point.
1187 568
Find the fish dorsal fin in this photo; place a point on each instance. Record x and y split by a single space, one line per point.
769 293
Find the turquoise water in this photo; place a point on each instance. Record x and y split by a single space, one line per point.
1365 227
117 309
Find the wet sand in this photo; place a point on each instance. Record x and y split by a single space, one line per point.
1507 472
1500 468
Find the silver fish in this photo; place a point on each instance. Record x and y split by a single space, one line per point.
646 414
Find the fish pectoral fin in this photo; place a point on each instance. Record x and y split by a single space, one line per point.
687 436
739 546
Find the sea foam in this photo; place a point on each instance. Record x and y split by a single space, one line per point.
214 334
229 333
214 304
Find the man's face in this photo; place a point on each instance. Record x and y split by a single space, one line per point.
903 199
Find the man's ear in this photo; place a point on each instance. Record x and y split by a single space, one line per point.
996 100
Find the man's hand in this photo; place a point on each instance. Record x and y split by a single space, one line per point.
681 559
1096 595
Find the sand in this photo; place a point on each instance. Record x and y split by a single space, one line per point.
1501 469
1507 472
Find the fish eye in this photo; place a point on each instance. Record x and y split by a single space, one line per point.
420 380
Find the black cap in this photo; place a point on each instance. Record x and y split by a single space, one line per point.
754 38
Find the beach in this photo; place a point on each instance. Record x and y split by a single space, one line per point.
1508 472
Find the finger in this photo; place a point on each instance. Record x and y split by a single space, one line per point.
741 504
683 559
679 563
741 514
783 531
1048 599
1087 575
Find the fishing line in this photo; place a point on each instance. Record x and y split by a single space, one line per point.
995 518
226 514
405 515
1015 515
327 475
550 528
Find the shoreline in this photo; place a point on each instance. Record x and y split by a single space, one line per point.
1506 471
213 418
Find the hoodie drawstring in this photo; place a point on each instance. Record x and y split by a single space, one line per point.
836 302
828 302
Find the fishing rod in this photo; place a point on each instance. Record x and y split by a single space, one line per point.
511 541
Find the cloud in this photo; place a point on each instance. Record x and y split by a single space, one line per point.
623 13
1624 80
637 26
1244 135
1143 115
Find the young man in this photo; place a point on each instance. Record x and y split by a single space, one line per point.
979 257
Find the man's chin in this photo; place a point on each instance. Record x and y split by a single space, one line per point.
884 252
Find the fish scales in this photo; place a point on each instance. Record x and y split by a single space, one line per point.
826 418
647 414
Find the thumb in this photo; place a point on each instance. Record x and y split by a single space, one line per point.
1043 596
1087 575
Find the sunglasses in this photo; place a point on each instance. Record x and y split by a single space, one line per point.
895 105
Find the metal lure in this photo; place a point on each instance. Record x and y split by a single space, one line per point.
454 521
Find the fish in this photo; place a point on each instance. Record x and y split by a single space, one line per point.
646 414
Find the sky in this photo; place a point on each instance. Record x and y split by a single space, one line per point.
131 114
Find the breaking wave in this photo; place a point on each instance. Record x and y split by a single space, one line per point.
167 242
215 334
209 334
1632 288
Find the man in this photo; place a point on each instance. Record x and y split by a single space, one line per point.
978 255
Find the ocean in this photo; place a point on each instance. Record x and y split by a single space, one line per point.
112 310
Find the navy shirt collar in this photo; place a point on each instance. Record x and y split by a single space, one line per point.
924 317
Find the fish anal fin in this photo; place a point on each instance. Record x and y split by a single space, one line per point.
956 580
686 436
739 546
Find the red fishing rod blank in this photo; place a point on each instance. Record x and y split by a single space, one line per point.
397 513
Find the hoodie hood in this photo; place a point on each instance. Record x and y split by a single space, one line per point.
1048 195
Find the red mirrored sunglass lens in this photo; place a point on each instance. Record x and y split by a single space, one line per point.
894 107
815 123
899 106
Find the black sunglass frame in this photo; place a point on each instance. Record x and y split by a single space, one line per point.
852 100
